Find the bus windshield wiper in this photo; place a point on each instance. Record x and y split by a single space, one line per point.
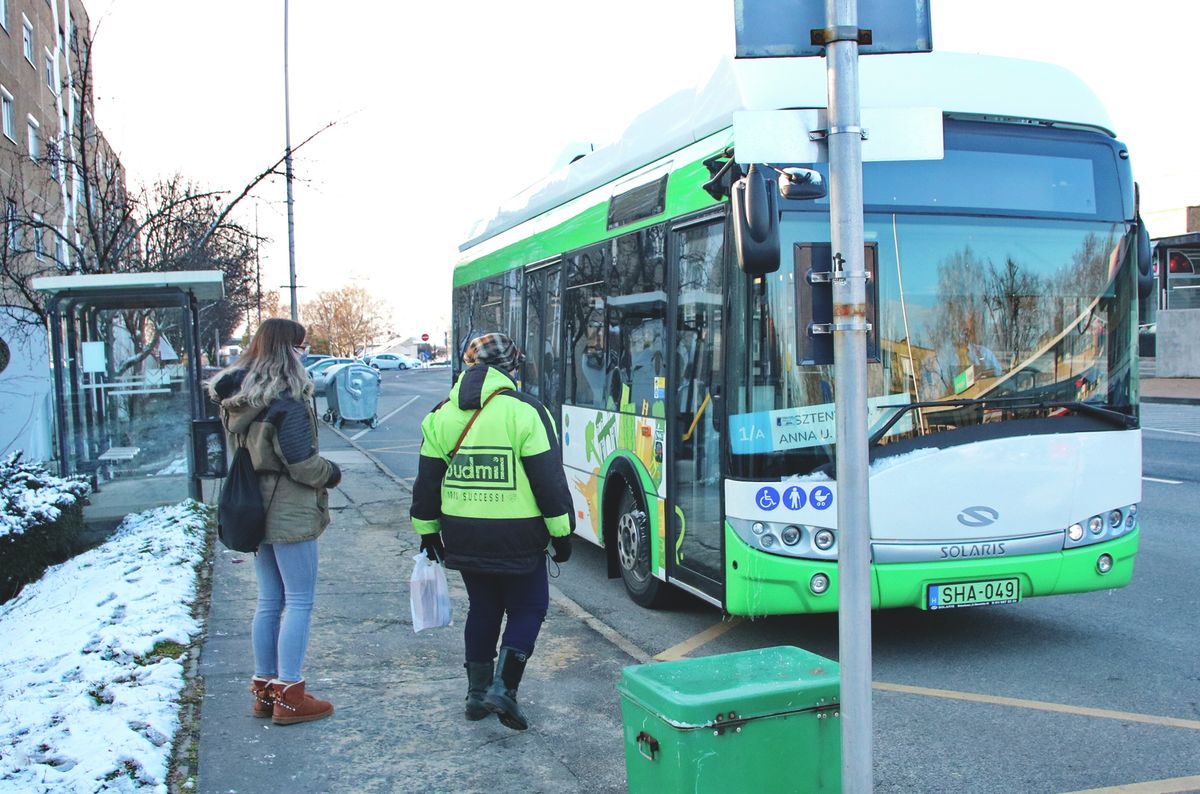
1010 403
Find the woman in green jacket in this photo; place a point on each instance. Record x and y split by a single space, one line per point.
266 405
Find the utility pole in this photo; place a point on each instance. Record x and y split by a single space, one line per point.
287 152
845 136
257 267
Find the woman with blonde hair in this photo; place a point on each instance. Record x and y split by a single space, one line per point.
266 406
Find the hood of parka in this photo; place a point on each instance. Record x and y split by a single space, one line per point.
239 413
476 384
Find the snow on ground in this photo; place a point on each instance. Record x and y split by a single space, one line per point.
90 664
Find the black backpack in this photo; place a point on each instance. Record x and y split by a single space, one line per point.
241 515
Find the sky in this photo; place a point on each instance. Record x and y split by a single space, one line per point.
441 111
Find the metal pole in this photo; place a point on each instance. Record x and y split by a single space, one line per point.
850 358
287 154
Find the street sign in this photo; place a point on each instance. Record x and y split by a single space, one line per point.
784 28
424 337
798 136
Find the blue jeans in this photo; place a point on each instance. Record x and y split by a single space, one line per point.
287 583
523 597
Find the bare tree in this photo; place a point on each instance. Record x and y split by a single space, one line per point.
344 322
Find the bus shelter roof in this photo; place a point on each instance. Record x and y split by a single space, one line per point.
204 284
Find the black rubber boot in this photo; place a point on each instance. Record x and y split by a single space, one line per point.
479 678
501 699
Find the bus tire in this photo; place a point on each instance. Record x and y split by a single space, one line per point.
633 552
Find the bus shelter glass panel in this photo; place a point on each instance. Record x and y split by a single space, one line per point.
131 404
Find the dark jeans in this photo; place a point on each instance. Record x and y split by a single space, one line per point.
523 597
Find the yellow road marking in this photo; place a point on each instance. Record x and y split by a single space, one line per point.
692 643
1061 708
1171 786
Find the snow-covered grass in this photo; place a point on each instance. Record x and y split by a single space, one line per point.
91 660
30 496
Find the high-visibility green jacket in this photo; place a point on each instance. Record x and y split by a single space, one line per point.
503 495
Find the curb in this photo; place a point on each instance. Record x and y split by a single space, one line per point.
378 463
1171 400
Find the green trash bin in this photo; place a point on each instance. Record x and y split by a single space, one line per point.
762 721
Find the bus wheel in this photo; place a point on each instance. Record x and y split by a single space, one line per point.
633 553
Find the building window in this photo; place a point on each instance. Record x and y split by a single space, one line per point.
78 185
10 221
54 157
4 14
51 83
60 253
39 249
27 38
35 149
6 115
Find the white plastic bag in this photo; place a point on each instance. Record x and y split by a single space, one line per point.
429 594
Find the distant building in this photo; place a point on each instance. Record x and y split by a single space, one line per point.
62 188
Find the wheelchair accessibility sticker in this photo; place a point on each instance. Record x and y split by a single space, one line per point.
767 498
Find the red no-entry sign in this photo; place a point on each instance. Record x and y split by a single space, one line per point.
424 337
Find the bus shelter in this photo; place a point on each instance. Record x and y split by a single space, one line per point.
130 409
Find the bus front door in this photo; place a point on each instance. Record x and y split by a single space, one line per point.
694 545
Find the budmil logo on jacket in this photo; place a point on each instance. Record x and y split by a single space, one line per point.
482 467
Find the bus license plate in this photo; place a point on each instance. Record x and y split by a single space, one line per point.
973 594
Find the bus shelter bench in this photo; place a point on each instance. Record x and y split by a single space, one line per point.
116 455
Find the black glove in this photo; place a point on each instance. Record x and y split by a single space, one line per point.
431 544
562 548
335 476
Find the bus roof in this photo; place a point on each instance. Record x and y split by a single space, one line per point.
962 86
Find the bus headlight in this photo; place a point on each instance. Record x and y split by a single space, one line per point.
823 539
1075 532
767 541
1096 525
1115 518
790 536
819 583
1104 564
758 527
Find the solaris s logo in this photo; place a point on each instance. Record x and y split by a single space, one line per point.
978 516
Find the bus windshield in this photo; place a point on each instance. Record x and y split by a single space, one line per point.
1000 318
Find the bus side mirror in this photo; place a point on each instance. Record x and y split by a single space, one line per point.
755 223
1145 265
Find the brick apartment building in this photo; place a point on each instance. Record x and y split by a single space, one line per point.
61 188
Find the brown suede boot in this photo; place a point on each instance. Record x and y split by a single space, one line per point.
293 704
264 704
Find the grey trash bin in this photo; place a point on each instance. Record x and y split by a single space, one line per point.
352 394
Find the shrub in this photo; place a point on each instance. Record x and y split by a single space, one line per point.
41 519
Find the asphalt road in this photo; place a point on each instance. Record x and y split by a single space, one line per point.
1061 694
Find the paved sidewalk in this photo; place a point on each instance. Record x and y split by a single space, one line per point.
399 695
1185 391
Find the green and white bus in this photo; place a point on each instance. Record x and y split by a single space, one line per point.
695 400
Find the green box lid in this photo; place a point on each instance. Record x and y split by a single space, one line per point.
690 693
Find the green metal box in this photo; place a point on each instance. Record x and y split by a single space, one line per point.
761 721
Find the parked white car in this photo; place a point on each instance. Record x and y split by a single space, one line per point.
392 361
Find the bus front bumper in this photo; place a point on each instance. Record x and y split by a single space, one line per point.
758 584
